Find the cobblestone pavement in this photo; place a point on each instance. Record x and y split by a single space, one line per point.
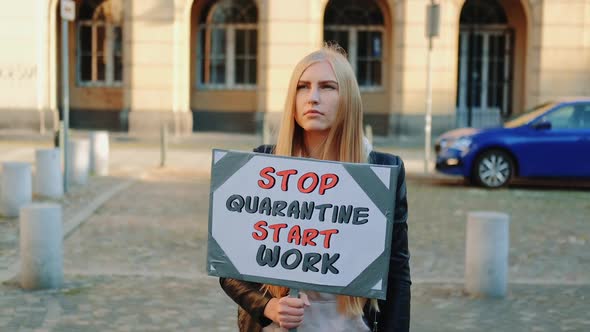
138 263
550 308
549 230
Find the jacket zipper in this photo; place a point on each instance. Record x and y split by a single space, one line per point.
375 323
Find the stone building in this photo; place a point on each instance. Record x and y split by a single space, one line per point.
223 65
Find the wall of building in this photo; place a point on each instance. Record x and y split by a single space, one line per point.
412 44
152 61
516 12
378 104
564 69
552 59
24 99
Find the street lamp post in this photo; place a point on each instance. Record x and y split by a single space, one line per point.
68 13
432 27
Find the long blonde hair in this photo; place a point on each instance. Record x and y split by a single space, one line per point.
344 141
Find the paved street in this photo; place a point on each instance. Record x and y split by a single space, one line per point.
137 263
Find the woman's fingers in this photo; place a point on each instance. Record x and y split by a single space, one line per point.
290 322
291 301
290 311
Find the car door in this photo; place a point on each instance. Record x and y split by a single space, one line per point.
556 150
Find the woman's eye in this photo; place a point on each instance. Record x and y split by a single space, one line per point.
329 87
299 87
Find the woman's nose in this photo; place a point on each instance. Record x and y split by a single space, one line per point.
314 95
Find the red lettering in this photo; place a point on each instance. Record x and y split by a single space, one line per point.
277 229
325 185
327 233
314 182
308 236
259 226
265 174
285 174
294 235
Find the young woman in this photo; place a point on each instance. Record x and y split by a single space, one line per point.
323 120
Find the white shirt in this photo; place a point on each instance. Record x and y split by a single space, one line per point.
322 315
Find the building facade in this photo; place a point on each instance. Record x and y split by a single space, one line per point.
223 65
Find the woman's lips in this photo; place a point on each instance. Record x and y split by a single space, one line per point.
313 112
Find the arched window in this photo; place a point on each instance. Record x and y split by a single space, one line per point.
482 12
227 44
100 43
485 64
358 26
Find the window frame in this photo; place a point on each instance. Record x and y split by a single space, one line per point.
229 30
353 31
109 54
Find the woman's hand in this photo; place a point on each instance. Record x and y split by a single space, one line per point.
287 312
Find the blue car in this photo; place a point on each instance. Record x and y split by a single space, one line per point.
551 140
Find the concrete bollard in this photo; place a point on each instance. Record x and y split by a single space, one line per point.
486 253
16 187
48 177
41 241
99 153
79 161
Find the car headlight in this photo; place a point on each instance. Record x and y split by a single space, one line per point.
462 143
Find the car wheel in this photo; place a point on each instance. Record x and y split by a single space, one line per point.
493 169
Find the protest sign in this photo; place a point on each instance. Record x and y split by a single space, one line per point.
301 223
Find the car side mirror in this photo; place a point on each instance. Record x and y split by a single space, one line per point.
542 125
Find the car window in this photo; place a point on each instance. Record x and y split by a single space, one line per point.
581 116
561 118
574 116
526 117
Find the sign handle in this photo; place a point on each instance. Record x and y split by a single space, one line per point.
293 292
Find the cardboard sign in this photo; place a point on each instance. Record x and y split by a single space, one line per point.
301 223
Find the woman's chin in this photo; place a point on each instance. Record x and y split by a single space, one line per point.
316 129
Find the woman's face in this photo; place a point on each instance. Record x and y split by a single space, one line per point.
316 101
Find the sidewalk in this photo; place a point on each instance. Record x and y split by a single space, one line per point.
137 263
410 149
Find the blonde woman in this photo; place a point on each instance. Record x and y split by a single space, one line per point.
323 120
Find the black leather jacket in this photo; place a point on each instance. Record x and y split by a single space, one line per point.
394 314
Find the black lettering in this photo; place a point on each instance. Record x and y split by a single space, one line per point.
309 260
252 208
267 256
361 212
345 214
322 208
293 210
277 208
327 263
235 203
307 210
265 206
286 256
335 214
